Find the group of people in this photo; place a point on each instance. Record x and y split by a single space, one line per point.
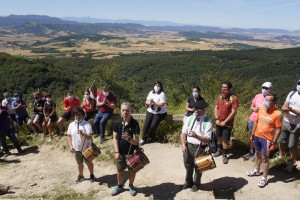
265 125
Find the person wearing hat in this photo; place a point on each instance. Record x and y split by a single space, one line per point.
106 102
19 105
225 111
50 116
257 102
290 131
195 136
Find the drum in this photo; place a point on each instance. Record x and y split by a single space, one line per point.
91 152
137 160
205 163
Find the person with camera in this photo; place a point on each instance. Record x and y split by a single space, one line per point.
80 138
156 112
195 136
126 132
266 129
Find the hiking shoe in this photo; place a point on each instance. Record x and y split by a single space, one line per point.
263 182
79 179
225 159
185 186
218 153
253 172
92 178
289 168
117 190
132 190
194 188
141 142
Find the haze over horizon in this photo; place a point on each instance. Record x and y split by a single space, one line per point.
276 14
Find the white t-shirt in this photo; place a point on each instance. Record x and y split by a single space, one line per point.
7 104
158 98
294 102
198 128
77 139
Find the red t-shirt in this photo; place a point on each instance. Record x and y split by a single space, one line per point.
87 104
72 103
110 98
224 107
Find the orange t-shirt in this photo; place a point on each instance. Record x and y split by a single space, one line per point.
267 122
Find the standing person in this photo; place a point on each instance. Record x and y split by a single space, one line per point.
106 101
225 111
88 106
196 96
195 136
7 105
266 130
126 132
50 116
19 106
156 112
257 102
290 132
35 122
79 138
70 102
5 131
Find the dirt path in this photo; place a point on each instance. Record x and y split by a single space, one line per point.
49 172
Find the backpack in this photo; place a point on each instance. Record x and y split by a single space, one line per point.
213 143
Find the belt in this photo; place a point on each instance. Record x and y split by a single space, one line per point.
203 146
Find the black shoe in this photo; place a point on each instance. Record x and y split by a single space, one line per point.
185 186
79 179
194 188
92 178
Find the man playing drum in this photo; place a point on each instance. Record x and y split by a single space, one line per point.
126 132
195 136
79 138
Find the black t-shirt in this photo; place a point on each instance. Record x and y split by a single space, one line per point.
190 100
132 128
38 103
48 107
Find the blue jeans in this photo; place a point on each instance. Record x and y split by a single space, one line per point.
100 122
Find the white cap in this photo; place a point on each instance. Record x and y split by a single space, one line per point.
267 84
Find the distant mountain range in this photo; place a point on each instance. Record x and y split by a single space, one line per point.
92 25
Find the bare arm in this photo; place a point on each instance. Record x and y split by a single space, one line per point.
116 145
187 108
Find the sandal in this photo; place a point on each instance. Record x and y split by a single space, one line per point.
253 172
263 182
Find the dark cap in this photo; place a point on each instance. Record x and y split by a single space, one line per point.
199 104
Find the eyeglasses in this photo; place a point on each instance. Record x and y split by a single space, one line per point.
266 88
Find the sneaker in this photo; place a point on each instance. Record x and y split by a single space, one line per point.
253 172
247 156
225 159
289 168
132 190
263 182
79 179
185 186
194 188
92 178
117 190
218 153
141 142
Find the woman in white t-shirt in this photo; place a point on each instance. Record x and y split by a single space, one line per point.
156 111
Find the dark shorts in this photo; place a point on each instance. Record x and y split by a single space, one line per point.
88 115
122 164
53 118
80 158
224 132
66 115
40 117
261 145
289 134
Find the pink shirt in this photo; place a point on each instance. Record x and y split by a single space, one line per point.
258 101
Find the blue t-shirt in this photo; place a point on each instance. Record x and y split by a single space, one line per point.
20 112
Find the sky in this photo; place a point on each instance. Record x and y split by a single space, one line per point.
281 14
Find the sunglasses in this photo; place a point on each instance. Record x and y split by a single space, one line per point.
265 88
